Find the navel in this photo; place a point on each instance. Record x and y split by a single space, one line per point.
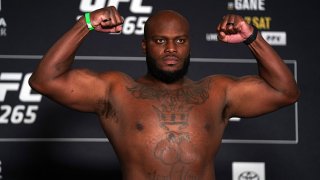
139 126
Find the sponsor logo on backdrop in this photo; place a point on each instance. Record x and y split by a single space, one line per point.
278 38
24 112
3 24
134 23
248 171
261 22
245 5
249 175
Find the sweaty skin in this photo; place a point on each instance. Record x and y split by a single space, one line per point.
165 130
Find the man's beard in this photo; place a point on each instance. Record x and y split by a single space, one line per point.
167 76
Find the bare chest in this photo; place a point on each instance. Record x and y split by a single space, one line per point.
166 129
184 113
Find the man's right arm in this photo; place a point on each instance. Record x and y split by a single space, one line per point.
79 89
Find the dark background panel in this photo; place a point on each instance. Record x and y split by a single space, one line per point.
33 26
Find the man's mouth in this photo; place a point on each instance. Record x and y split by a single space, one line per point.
171 60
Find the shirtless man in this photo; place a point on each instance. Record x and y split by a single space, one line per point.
164 125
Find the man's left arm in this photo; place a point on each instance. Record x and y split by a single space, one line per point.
275 85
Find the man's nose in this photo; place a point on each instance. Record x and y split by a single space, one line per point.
171 47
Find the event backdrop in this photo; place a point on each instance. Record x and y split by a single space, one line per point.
40 139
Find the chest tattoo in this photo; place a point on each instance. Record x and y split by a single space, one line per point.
173 108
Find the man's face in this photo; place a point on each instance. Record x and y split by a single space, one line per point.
167 47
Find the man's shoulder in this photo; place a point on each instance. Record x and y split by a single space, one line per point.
218 83
219 79
115 76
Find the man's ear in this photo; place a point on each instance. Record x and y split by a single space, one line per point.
143 46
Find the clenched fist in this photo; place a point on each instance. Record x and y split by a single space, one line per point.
106 19
233 29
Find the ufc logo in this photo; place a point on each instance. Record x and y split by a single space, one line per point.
136 6
11 81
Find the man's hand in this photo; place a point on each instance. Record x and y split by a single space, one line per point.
106 19
233 29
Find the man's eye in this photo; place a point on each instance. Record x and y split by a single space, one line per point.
180 41
160 41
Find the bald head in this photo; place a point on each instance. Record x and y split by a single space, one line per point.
165 19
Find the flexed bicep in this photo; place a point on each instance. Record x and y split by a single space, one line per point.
251 96
78 89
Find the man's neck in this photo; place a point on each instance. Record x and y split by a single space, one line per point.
152 81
